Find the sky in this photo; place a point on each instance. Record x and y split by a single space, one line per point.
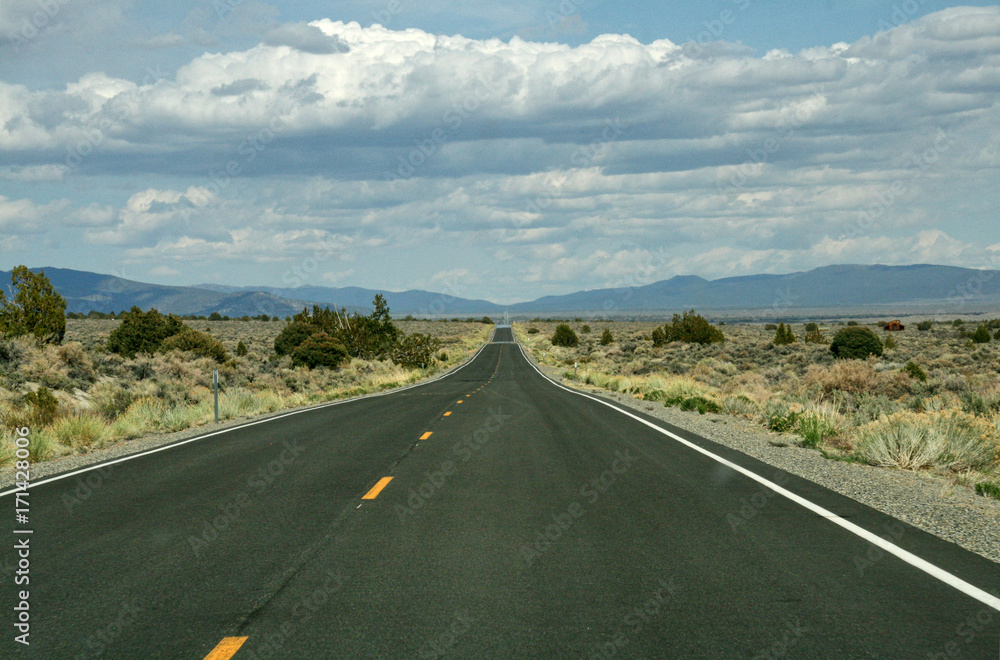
503 151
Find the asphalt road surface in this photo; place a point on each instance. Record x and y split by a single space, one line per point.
521 520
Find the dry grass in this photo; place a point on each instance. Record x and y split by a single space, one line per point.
872 410
104 398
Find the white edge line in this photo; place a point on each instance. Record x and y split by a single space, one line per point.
934 571
98 466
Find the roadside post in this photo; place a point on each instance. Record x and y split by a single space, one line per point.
215 386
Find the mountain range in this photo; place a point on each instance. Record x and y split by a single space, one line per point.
949 289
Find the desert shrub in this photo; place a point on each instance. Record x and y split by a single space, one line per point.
811 327
740 406
701 404
564 336
658 337
692 329
974 403
585 330
111 401
770 327
845 375
890 342
778 416
855 343
924 326
442 356
79 364
852 323
533 331
38 408
783 335
814 429
606 337
292 336
913 370
81 431
319 350
415 351
36 309
988 489
950 439
196 342
815 337
241 349
981 335
142 332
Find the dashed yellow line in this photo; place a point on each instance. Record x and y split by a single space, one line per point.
426 435
447 414
377 488
226 649
460 401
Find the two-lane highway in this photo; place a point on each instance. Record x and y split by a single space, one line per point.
490 513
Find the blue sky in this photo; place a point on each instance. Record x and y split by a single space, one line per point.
496 150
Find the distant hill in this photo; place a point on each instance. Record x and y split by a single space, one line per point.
846 286
85 291
415 302
948 288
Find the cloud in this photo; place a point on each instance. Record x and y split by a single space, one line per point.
34 173
306 38
164 271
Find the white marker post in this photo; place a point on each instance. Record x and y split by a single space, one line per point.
215 386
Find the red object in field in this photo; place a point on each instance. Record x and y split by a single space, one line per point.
894 326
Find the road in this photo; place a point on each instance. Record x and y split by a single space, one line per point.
521 521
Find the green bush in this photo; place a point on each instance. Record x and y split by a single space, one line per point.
770 327
812 327
199 343
913 370
319 350
890 342
855 343
585 330
142 332
36 309
292 336
815 337
701 404
606 337
692 329
783 335
981 335
42 408
988 489
814 429
241 349
852 323
564 336
924 326
533 331
415 351
659 337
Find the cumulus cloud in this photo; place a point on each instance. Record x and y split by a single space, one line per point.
306 38
575 165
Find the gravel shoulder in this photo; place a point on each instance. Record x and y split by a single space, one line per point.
922 499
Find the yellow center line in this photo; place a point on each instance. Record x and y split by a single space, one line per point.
377 488
426 435
447 413
460 401
226 649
